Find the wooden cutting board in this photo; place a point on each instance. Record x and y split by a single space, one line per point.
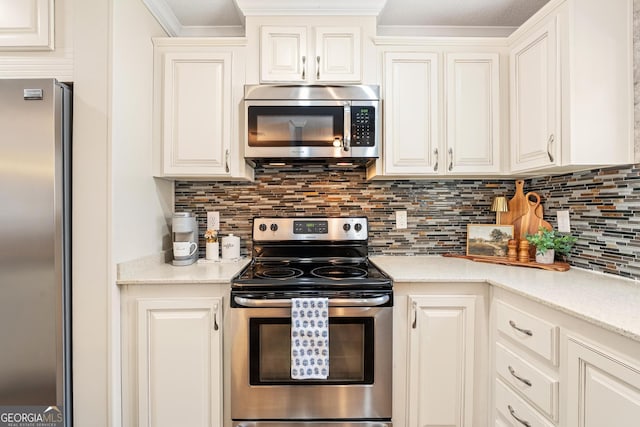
531 221
518 205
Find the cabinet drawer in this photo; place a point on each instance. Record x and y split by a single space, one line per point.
537 387
516 411
533 333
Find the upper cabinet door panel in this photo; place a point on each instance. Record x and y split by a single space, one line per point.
473 97
283 54
26 24
287 54
411 113
535 139
196 110
338 52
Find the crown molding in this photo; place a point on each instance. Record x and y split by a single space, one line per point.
310 7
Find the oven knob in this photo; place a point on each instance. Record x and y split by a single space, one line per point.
346 227
357 227
274 227
263 227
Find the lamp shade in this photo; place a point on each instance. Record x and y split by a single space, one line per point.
499 204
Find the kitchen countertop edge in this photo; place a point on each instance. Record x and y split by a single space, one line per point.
600 299
603 300
158 270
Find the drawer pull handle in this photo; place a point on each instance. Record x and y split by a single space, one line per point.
524 331
522 380
521 421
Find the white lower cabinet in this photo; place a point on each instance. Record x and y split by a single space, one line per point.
172 369
526 378
439 357
603 389
558 370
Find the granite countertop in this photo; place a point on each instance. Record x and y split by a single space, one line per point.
157 270
604 300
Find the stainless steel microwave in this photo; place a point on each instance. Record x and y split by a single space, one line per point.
337 124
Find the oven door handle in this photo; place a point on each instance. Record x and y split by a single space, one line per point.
333 302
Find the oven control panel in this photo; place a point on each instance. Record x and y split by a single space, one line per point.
311 228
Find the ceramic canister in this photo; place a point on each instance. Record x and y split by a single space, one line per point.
230 247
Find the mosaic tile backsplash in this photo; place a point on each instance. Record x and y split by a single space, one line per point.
604 206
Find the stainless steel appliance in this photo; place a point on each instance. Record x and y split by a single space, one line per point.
35 118
303 258
338 124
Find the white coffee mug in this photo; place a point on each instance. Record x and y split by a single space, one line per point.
183 249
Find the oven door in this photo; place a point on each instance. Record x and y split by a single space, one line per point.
359 382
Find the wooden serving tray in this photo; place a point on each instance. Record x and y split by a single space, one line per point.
556 266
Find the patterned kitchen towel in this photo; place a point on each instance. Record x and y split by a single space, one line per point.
309 338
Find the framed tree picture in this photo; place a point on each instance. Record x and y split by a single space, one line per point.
488 240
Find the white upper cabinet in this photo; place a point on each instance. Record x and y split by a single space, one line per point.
473 104
307 54
26 24
411 128
535 136
198 94
572 87
441 119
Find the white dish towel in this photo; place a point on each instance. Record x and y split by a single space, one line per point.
309 338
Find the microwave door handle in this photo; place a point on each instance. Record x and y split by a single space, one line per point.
346 140
333 302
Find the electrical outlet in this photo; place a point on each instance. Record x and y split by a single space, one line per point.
401 220
213 220
564 225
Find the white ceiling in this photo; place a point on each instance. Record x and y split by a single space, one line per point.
224 17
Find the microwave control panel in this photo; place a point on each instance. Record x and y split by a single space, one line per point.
363 126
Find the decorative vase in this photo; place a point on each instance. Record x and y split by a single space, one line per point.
212 250
547 257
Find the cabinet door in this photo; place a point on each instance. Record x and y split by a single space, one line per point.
441 359
473 106
535 136
603 391
411 114
337 54
26 25
283 54
179 348
196 113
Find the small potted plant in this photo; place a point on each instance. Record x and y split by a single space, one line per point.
548 243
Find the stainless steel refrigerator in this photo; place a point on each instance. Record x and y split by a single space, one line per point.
35 201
